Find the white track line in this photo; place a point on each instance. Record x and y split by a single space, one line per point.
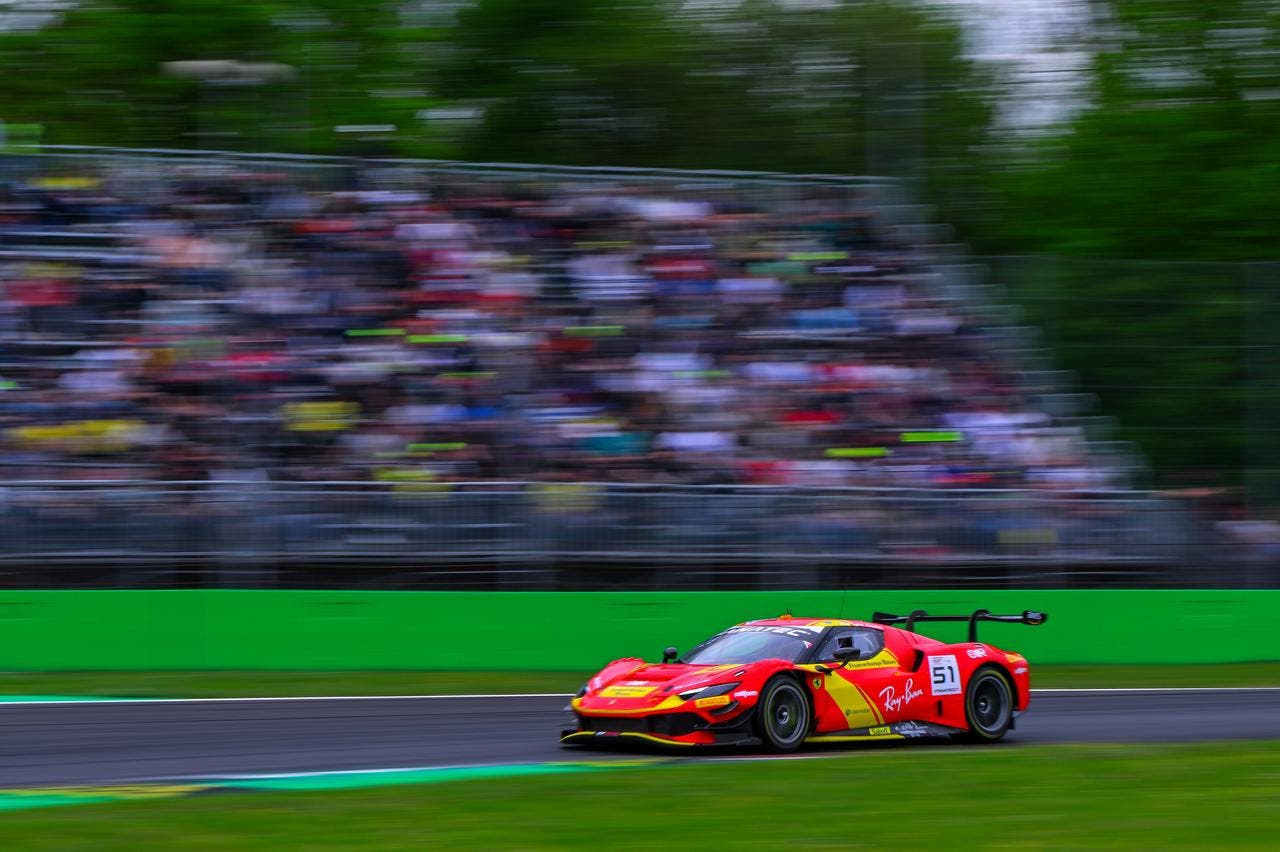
620 763
320 773
1191 690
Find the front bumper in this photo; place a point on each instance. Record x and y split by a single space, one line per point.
703 739
678 729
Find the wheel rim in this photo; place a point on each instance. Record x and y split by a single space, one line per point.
991 704
787 715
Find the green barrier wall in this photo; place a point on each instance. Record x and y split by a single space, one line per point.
233 629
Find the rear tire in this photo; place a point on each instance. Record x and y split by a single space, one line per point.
988 705
783 716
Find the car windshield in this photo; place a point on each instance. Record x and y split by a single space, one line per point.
749 644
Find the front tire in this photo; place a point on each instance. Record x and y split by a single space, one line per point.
988 705
783 716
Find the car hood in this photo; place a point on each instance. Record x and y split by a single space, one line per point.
631 685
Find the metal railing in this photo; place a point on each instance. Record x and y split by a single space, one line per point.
481 169
699 535
891 199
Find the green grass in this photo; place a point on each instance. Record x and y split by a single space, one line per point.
212 684
1049 797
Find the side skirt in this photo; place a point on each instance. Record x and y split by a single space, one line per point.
895 731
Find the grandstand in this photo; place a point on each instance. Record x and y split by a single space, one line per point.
249 369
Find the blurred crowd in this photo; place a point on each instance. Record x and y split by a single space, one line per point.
241 324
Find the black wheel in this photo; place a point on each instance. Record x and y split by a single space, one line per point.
988 705
783 715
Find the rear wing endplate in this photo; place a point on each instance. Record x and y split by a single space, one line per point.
909 621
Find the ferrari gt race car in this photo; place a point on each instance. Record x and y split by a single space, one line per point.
783 682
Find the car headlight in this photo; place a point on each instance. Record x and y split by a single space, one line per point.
709 691
582 690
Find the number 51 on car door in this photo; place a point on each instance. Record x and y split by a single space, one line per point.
944 675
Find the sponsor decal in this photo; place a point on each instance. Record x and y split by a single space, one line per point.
912 729
714 701
893 702
880 731
884 659
976 653
817 683
1020 670
944 675
746 693
627 691
800 631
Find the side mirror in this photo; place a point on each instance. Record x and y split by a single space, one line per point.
669 653
843 655
846 655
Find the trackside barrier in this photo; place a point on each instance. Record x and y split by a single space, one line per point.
248 527
554 631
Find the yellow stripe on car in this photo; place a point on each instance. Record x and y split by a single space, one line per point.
591 735
858 711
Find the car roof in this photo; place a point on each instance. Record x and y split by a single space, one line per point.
798 621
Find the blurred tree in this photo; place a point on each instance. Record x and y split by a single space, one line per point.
95 75
1177 158
854 87
851 87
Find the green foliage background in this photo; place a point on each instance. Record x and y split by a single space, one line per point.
1159 211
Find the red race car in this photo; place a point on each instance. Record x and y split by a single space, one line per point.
782 682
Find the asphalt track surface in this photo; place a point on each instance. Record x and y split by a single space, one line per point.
114 742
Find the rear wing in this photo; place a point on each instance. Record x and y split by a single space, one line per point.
909 621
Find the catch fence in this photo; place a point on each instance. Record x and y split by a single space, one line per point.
891 199
591 535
